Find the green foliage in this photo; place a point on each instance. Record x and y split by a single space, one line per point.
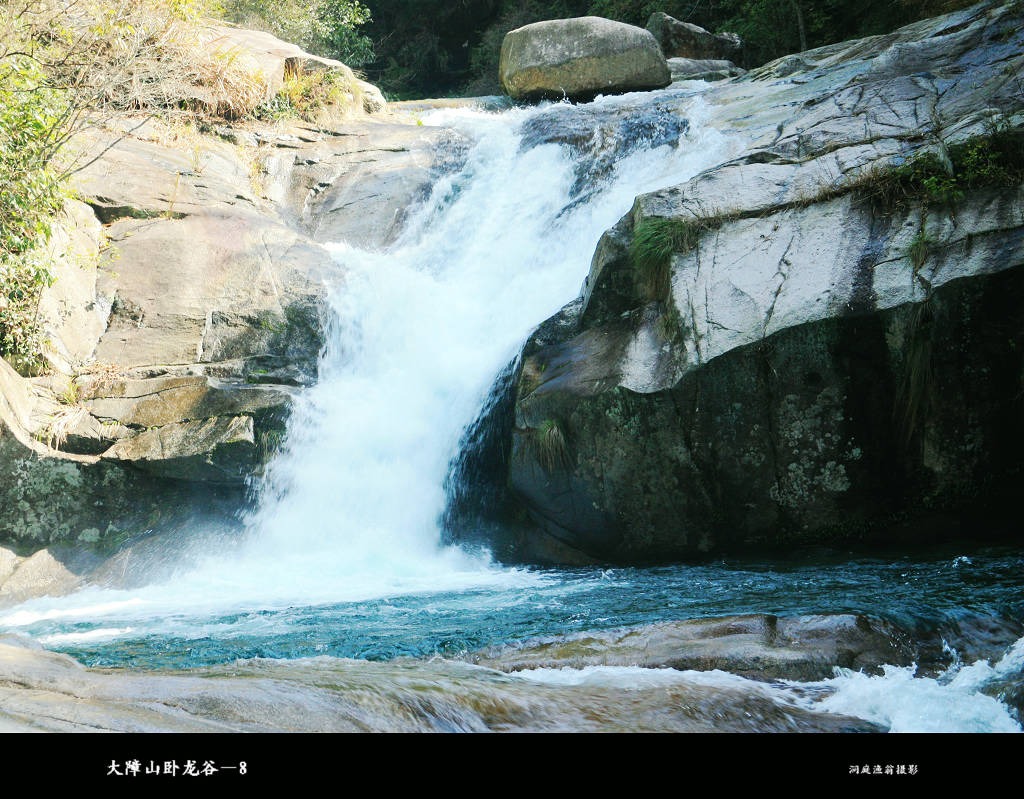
927 178
654 242
437 47
326 28
993 160
22 280
30 196
314 96
988 161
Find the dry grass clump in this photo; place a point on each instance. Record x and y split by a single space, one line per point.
155 54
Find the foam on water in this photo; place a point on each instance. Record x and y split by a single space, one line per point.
954 701
897 699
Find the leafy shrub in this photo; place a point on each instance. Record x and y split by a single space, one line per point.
22 280
326 28
316 96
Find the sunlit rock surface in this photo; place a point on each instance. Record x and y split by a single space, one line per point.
579 58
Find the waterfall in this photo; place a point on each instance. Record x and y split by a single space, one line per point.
351 507
344 555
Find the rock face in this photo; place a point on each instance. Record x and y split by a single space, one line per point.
811 366
683 40
579 58
188 304
274 60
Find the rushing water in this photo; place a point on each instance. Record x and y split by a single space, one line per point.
343 556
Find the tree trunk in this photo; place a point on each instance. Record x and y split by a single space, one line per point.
800 23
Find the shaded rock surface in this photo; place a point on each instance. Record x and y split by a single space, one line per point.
579 58
49 572
702 69
685 40
814 367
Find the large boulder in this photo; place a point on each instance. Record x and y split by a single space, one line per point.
580 58
683 40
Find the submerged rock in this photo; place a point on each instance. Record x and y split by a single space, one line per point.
42 690
702 69
599 138
579 58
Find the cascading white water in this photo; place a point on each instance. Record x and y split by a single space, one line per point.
351 507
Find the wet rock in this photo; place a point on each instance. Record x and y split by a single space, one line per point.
764 647
579 58
42 690
684 40
598 138
46 573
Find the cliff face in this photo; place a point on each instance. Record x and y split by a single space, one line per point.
811 342
186 310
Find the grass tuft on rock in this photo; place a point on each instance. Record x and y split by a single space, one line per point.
941 178
551 446
316 96
655 240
